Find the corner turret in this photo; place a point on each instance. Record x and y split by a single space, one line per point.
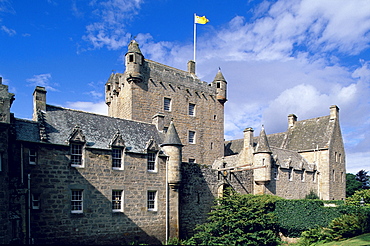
221 86
172 146
262 161
134 61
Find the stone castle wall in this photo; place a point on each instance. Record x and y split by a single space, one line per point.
53 178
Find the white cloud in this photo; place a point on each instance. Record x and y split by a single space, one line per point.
9 31
42 80
110 29
98 108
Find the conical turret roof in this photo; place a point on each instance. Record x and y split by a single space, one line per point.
171 137
133 47
219 76
263 145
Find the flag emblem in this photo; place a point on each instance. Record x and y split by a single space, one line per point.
201 20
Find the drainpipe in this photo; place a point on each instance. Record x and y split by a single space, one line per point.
22 164
166 200
29 209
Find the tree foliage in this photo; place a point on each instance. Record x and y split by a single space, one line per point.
240 220
362 177
352 185
359 195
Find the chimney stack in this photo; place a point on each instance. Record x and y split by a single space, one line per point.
334 112
292 118
191 67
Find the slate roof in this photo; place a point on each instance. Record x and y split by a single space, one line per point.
304 135
97 129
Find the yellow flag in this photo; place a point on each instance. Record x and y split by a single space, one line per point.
201 19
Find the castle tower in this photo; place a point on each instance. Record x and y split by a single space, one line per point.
173 149
134 61
221 86
262 163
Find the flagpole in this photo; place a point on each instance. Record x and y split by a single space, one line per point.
195 35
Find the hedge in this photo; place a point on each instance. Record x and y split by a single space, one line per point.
296 216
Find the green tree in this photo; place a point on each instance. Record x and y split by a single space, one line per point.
356 198
240 220
352 185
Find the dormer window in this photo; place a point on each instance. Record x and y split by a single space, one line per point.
32 156
117 158
151 161
76 154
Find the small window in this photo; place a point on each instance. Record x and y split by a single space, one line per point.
165 129
340 158
218 85
191 137
152 200
117 200
191 160
290 174
131 58
334 175
276 173
167 104
108 87
191 109
35 201
1 162
117 158
32 156
303 174
151 161
76 155
342 177
77 201
314 176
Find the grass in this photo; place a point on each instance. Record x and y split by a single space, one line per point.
361 240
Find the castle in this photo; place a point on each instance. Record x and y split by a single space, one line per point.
151 169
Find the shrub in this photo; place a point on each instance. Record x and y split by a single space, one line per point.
240 220
312 195
356 198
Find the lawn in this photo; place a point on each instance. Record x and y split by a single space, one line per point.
362 240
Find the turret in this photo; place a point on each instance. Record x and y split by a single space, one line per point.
262 160
221 86
173 149
134 61
6 100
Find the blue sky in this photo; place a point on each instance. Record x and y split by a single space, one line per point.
279 57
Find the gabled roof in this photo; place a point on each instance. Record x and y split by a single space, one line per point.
98 130
304 135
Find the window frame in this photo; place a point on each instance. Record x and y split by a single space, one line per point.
192 109
151 162
35 199
191 137
116 159
119 201
191 161
77 156
32 156
79 202
152 200
167 104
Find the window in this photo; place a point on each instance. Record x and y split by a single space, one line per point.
290 174
192 137
1 162
117 200
32 156
276 173
77 201
152 200
314 176
76 155
131 58
151 160
334 175
303 175
35 201
191 109
117 158
167 104
340 158
218 85
191 161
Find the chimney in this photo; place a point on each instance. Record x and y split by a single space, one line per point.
292 118
1 80
39 101
191 67
248 145
158 121
334 112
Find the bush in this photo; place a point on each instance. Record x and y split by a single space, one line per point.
296 216
356 198
312 195
240 220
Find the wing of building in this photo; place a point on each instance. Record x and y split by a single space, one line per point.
152 168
